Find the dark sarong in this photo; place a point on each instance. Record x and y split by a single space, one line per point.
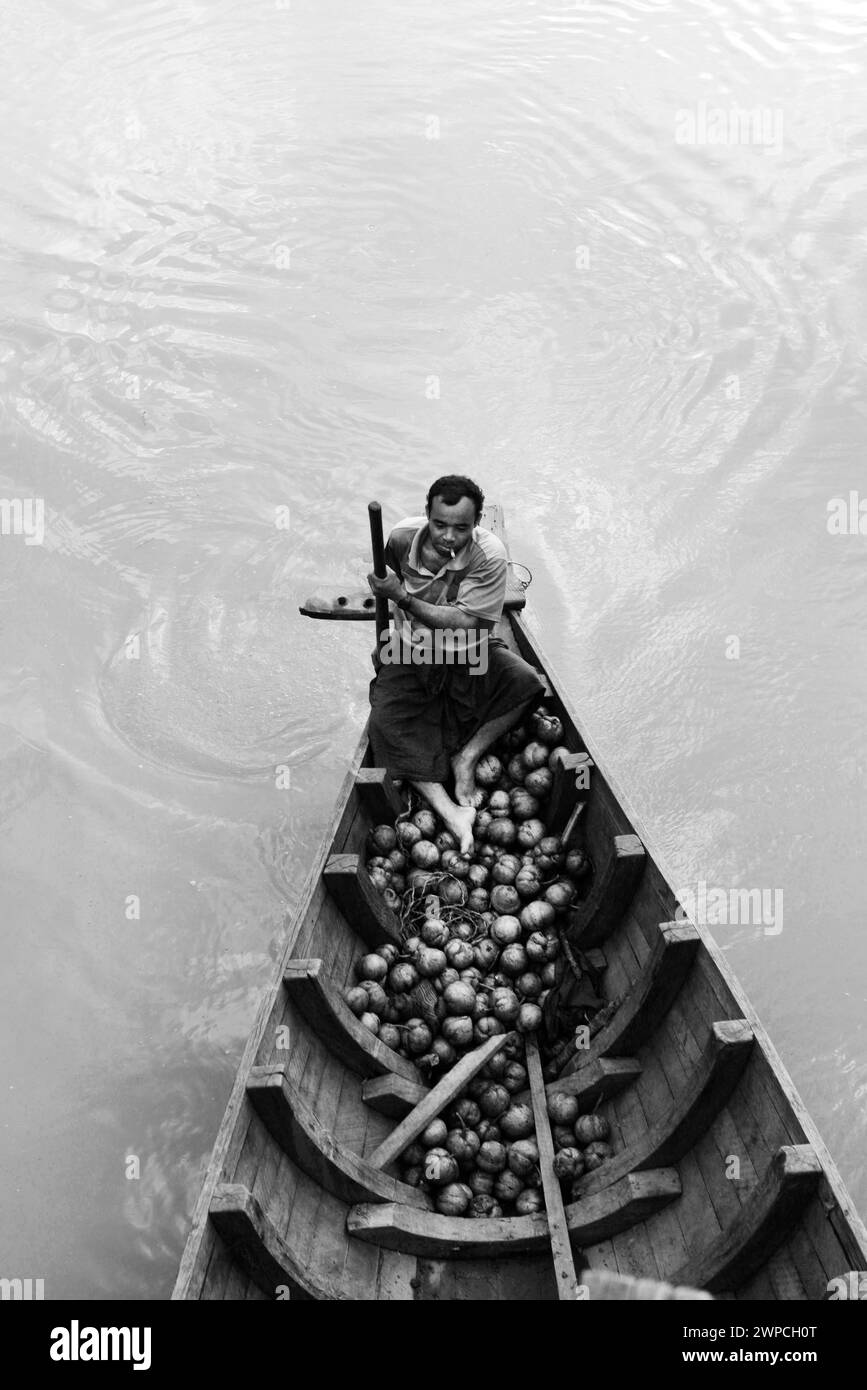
422 715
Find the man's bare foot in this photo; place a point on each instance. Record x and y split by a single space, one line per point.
460 823
466 791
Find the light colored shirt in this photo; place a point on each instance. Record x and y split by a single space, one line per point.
482 568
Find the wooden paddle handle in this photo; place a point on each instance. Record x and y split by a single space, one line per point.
374 512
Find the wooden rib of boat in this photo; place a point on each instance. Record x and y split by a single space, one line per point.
720 1183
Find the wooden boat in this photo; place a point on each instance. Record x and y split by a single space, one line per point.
720 1182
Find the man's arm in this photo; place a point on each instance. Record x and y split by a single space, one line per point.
443 615
431 614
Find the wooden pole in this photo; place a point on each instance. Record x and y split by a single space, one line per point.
558 1231
374 512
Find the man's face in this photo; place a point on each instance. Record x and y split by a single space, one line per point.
451 528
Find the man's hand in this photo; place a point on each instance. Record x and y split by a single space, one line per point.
389 587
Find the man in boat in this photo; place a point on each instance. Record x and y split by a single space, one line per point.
433 714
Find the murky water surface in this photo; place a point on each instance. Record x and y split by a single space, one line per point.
301 254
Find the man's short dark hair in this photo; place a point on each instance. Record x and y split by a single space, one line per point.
452 488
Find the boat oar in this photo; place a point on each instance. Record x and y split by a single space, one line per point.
374 512
558 1230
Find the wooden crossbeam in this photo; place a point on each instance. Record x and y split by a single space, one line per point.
762 1223
558 1231
378 794
290 1120
348 882
691 1114
322 1005
613 886
648 1002
431 1236
594 1083
257 1245
392 1095
436 1100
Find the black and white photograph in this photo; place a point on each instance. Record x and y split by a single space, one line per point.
433 552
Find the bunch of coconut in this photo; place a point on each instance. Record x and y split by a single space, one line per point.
515 861
483 959
453 987
480 1158
581 1142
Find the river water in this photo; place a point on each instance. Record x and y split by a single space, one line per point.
264 261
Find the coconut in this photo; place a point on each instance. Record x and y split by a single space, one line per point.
426 822
440 1167
382 839
489 770
494 1101
453 1199
590 1129
517 1123
529 1201
568 1164
523 1157
595 1155
460 998
506 930
562 1108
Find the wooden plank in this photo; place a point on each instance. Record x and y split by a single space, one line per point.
378 795
648 1001
558 1231
347 605
599 1081
635 1253
392 1095
656 1095
431 1236
309 1144
436 1100
674 1135
493 520
708 1202
261 1250
614 884
328 1013
348 882
604 1286
746 1245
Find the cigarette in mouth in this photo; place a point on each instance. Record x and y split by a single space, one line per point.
451 552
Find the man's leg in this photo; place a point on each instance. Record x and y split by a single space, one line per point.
464 761
498 700
457 819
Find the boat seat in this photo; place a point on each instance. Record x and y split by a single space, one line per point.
764 1221
706 1092
348 882
290 1121
647 1003
255 1243
323 1007
595 1218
